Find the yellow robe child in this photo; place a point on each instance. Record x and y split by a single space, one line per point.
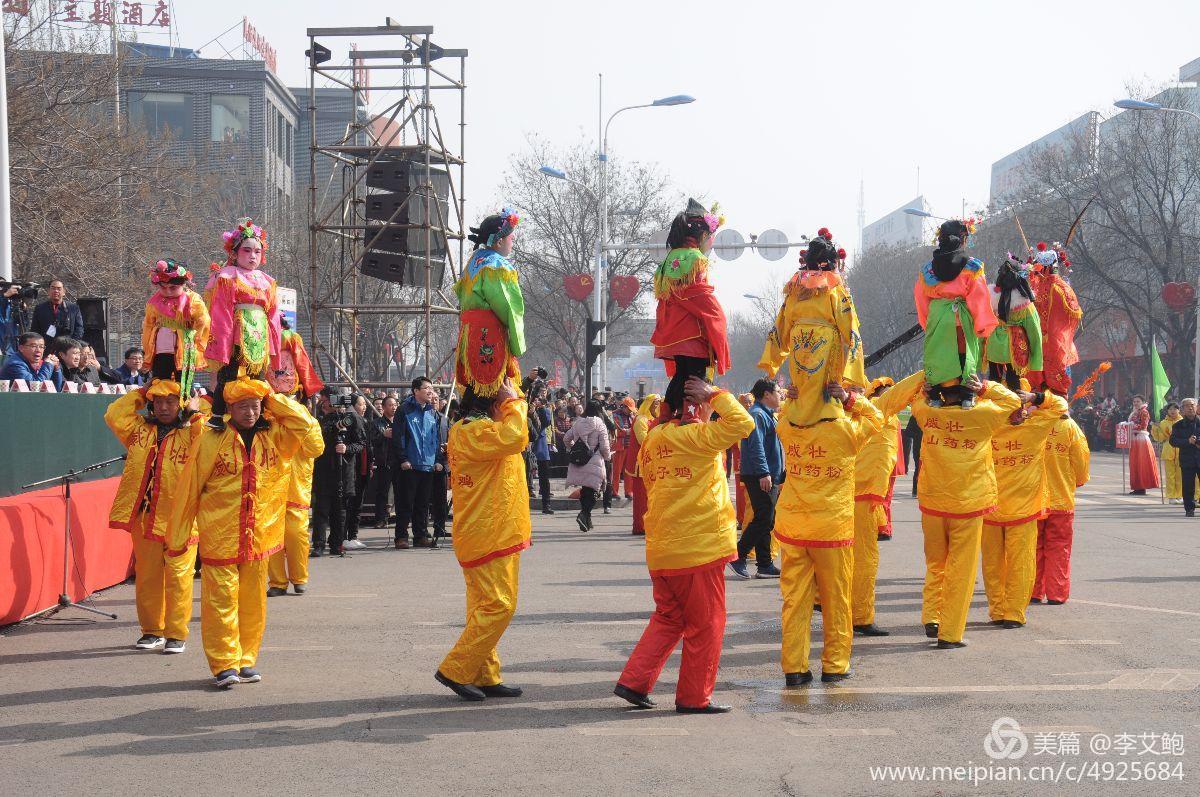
956 489
814 522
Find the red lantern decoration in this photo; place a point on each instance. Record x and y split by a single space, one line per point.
624 289
578 286
1179 296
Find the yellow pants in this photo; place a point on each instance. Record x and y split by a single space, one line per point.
951 559
868 518
491 603
291 564
804 570
162 586
233 613
1009 565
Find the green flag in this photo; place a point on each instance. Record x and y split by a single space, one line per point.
1159 381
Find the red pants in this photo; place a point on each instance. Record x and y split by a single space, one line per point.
635 486
886 529
742 500
618 472
1053 579
690 607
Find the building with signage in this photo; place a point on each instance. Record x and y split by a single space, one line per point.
335 117
898 229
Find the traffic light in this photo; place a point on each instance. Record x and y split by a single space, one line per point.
594 349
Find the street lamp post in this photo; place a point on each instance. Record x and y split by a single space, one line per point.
1145 105
599 372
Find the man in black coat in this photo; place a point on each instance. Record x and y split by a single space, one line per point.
334 472
56 317
1185 435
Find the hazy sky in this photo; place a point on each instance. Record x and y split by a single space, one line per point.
795 101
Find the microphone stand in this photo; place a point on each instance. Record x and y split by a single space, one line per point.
64 599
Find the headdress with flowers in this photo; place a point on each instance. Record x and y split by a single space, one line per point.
167 271
245 230
971 223
494 228
1047 258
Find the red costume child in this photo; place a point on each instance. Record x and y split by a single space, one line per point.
1060 314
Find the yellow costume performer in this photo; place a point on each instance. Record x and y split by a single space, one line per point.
956 489
817 327
814 522
1068 467
157 451
234 490
872 476
1161 432
491 528
1009 541
297 379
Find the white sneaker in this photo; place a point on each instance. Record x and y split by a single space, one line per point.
355 544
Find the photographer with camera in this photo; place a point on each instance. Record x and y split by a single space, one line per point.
14 311
56 316
334 478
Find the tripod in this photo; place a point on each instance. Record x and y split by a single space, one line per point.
64 599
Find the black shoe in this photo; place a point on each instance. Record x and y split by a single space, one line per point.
1036 600
249 675
341 554
1011 624
315 553
226 678
636 698
1054 603
607 511
588 517
884 537
711 708
931 630
275 592
870 630
174 646
943 644
402 543
831 677
581 522
1137 492
149 642
546 510
767 571
500 690
465 691
998 622
797 678
300 589
1189 514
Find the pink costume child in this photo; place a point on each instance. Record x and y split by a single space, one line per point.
176 326
245 313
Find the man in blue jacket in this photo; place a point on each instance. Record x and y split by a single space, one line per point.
29 362
414 454
56 317
762 473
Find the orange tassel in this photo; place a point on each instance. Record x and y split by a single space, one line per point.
1089 384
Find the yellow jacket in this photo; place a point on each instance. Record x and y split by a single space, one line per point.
957 477
1161 432
238 498
1018 456
690 522
300 478
1068 464
816 503
196 320
487 476
877 459
151 465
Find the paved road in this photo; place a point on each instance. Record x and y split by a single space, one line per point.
348 703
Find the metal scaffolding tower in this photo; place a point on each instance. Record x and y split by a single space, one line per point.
402 78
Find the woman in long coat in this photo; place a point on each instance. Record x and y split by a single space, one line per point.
589 478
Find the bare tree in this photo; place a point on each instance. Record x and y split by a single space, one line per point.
558 236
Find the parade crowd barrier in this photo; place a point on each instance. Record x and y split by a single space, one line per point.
46 435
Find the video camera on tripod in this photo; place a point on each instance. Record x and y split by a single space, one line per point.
26 291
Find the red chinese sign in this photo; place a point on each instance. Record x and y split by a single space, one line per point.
100 12
260 44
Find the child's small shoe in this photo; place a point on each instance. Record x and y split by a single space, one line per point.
968 403
934 402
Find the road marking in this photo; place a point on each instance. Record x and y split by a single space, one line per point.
1141 680
224 736
634 731
840 732
296 649
311 595
1142 608
1078 642
602 595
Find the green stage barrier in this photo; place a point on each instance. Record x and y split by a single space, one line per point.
47 434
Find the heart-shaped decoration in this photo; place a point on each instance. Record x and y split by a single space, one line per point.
1179 296
624 289
578 286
